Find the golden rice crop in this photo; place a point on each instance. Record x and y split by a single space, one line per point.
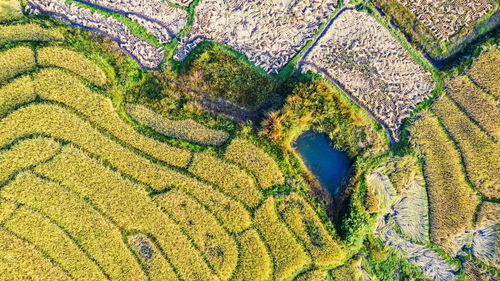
447 188
480 106
6 209
72 61
255 263
480 154
349 271
188 130
96 235
22 259
10 10
49 238
15 61
219 248
289 256
304 222
25 154
313 275
256 160
55 84
28 32
484 71
228 177
157 266
128 205
488 214
16 93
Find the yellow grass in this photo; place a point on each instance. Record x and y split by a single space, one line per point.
217 246
480 106
24 260
55 84
6 209
228 177
10 10
28 32
484 71
313 275
16 93
49 238
128 205
447 188
188 130
304 222
158 267
97 236
256 160
289 256
15 61
25 154
480 154
255 263
72 61
489 214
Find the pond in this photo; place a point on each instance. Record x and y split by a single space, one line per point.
326 163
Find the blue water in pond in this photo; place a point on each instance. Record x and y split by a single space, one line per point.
328 164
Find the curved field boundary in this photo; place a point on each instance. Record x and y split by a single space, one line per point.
255 263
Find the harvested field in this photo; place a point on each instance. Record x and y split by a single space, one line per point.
447 189
380 192
475 273
484 71
10 10
28 32
488 214
187 129
143 52
480 154
15 61
477 104
16 93
254 263
268 32
377 72
486 240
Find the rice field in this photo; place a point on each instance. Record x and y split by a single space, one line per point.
484 71
255 262
16 93
10 10
15 61
28 32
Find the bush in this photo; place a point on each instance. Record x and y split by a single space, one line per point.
254 263
16 61
28 32
16 93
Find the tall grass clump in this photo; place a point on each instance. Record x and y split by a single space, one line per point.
56 85
305 223
217 246
256 160
157 266
21 261
28 32
49 238
228 177
254 263
25 154
72 61
480 154
10 10
15 61
484 71
447 187
16 93
187 129
96 235
289 256
126 204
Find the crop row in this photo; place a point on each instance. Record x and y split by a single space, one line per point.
28 32
249 156
188 130
228 177
78 218
448 190
217 246
15 61
484 71
480 154
255 263
16 93
126 204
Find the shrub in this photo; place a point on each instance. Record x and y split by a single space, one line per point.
25 154
6 209
256 160
72 61
447 188
15 61
217 246
80 220
480 154
10 10
305 223
484 71
126 204
187 129
254 263
54 84
289 256
16 93
157 266
28 32
20 260
49 238
228 177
